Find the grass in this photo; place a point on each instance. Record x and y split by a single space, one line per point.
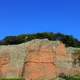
71 77
11 79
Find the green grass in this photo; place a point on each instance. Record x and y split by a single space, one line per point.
11 79
71 77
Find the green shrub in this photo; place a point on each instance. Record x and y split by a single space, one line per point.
66 39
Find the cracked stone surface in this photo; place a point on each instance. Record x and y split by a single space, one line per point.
38 59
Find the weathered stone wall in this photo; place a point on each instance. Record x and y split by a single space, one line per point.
36 60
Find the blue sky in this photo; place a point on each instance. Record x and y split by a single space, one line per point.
31 16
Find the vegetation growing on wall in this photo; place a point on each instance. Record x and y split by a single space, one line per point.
66 39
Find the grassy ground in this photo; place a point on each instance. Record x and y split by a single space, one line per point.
71 77
11 79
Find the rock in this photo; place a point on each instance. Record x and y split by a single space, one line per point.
38 59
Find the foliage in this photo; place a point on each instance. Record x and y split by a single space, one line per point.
11 79
66 39
70 77
15 39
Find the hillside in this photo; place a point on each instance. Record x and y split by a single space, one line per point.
39 59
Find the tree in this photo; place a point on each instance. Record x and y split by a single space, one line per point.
66 39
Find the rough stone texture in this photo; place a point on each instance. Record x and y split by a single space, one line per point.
11 61
40 62
37 60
